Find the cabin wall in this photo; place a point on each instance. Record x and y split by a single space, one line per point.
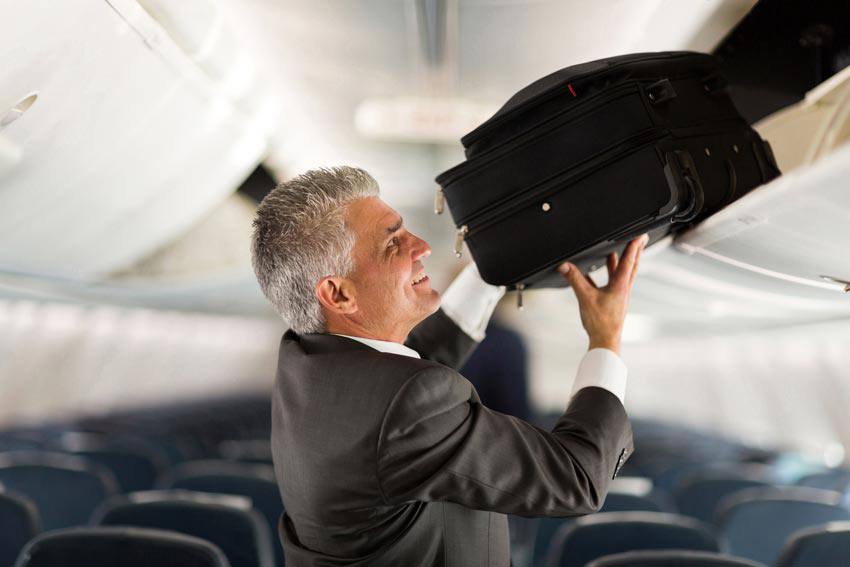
774 388
62 360
784 387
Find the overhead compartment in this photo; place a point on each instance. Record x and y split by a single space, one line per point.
805 132
796 228
128 144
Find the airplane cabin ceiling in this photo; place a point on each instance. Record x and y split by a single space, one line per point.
127 145
323 58
150 114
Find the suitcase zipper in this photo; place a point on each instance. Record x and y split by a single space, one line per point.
439 201
581 108
552 92
540 190
461 235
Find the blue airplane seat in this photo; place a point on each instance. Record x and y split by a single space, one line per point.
228 521
135 463
595 536
127 547
757 522
823 546
254 481
697 494
615 502
672 558
20 523
65 489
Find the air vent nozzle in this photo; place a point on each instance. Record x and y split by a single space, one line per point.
18 110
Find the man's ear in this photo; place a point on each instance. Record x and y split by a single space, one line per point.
336 295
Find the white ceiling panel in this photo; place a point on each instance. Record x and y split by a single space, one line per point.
126 146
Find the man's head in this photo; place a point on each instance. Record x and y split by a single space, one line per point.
331 256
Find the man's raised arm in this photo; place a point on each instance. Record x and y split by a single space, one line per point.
438 443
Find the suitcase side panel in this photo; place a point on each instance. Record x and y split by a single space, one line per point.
725 159
531 161
550 148
582 214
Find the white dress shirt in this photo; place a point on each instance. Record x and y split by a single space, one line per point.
384 346
470 301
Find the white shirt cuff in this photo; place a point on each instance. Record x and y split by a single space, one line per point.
602 368
469 301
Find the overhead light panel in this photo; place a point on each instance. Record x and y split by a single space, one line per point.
420 119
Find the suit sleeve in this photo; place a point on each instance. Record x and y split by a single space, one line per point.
438 443
440 339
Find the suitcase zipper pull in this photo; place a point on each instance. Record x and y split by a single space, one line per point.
459 240
519 288
439 201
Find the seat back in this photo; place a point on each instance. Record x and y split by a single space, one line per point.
835 479
592 537
64 489
134 471
254 481
757 522
247 450
823 546
127 547
671 476
227 521
135 463
672 558
546 528
19 523
13 443
698 495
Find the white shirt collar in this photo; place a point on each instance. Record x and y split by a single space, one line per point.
384 346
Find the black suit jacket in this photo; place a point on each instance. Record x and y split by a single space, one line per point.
388 460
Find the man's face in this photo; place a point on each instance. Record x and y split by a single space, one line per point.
393 291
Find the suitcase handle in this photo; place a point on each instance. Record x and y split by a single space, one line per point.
695 203
660 91
681 173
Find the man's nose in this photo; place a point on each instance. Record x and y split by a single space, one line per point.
421 249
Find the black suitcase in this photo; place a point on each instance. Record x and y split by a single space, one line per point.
581 161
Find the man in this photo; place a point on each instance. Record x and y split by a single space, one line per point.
385 458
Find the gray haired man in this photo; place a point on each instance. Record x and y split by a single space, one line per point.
383 453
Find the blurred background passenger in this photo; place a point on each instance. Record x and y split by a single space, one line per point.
498 369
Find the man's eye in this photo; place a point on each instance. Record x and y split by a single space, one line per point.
393 242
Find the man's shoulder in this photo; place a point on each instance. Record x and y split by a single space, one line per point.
362 384
349 360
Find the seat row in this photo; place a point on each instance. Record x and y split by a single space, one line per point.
234 505
753 520
591 541
175 432
587 539
701 476
686 472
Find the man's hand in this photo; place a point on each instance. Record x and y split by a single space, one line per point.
603 310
